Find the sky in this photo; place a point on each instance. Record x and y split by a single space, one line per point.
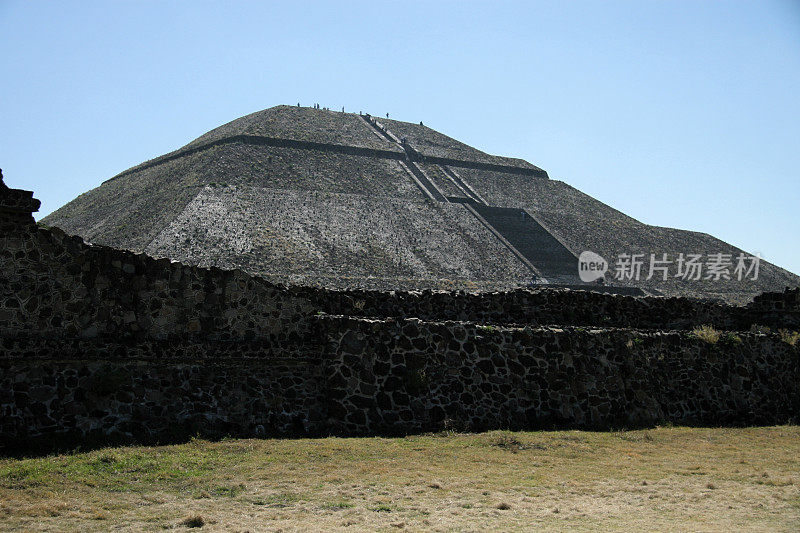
683 114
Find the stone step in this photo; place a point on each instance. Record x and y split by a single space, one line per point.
535 243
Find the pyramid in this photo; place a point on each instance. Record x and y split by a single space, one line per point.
317 197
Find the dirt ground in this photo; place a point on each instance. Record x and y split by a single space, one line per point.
658 479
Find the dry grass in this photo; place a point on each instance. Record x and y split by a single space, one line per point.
658 479
193 521
789 337
707 334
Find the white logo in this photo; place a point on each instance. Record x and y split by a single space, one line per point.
591 266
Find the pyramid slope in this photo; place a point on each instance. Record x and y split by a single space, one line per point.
429 142
128 213
301 124
408 243
130 210
584 223
326 198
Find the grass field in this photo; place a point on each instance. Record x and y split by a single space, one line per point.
656 479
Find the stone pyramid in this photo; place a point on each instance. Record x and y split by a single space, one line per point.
325 198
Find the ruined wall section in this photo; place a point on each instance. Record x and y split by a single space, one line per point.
391 376
62 393
105 346
546 306
53 285
57 285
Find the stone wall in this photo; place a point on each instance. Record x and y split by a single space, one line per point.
399 376
558 306
100 345
57 286
388 377
60 394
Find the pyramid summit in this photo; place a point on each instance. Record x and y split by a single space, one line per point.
326 198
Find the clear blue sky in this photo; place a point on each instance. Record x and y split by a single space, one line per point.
681 114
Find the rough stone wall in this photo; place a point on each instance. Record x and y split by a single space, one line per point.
63 393
54 285
57 285
101 345
400 376
16 205
779 309
540 306
388 377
